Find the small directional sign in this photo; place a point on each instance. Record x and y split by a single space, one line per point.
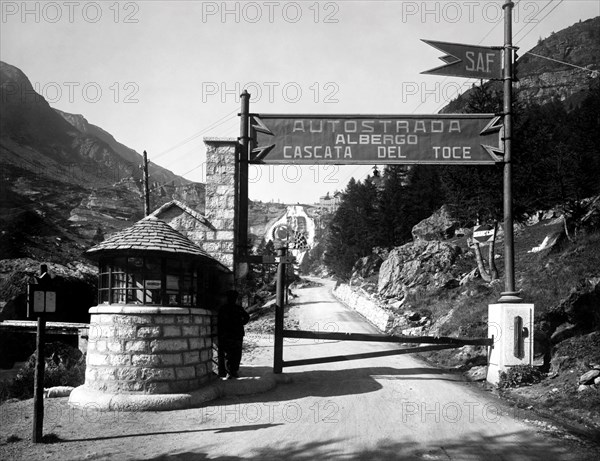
378 139
483 233
470 61
282 233
260 259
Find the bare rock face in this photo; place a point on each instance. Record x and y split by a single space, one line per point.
428 265
367 267
439 226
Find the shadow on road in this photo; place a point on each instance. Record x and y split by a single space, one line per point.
509 446
331 383
216 430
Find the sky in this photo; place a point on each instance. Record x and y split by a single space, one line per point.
162 75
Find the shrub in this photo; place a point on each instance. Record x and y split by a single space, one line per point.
520 375
65 366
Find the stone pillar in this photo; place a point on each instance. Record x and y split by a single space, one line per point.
511 346
221 195
148 351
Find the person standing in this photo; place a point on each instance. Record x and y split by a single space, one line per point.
231 321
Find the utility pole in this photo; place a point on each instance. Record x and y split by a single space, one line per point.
242 211
509 295
145 183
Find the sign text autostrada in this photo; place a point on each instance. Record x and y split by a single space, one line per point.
377 139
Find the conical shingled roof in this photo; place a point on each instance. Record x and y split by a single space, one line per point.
149 234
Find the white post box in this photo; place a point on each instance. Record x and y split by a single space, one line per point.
511 327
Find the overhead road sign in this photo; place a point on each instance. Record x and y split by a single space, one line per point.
464 139
469 61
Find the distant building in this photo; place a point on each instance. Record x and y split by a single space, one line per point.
329 203
296 228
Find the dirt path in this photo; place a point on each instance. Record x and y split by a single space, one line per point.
375 409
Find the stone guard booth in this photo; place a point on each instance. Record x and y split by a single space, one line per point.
150 339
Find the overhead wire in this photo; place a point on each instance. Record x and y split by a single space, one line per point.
535 24
225 119
212 126
594 72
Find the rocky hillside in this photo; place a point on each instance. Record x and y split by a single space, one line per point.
68 179
542 80
432 286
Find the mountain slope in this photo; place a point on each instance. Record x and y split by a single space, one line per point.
60 169
157 173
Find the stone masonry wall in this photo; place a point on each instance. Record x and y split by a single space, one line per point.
220 199
148 350
364 306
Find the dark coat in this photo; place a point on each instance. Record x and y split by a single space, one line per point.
232 318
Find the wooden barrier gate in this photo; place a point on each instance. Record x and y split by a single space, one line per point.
439 343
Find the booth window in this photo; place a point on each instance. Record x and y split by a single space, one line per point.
150 281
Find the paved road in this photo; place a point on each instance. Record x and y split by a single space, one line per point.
385 408
374 409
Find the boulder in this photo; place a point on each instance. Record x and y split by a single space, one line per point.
549 241
477 373
564 331
58 391
439 226
472 355
415 331
589 377
427 265
584 388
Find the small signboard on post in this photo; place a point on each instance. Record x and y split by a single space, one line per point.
469 61
483 234
41 300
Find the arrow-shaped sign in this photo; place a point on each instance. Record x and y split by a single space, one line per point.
458 139
258 154
496 125
470 61
258 125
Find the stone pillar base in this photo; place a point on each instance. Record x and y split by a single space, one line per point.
90 399
259 379
148 350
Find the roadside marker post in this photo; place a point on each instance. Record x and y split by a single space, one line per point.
280 300
41 300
